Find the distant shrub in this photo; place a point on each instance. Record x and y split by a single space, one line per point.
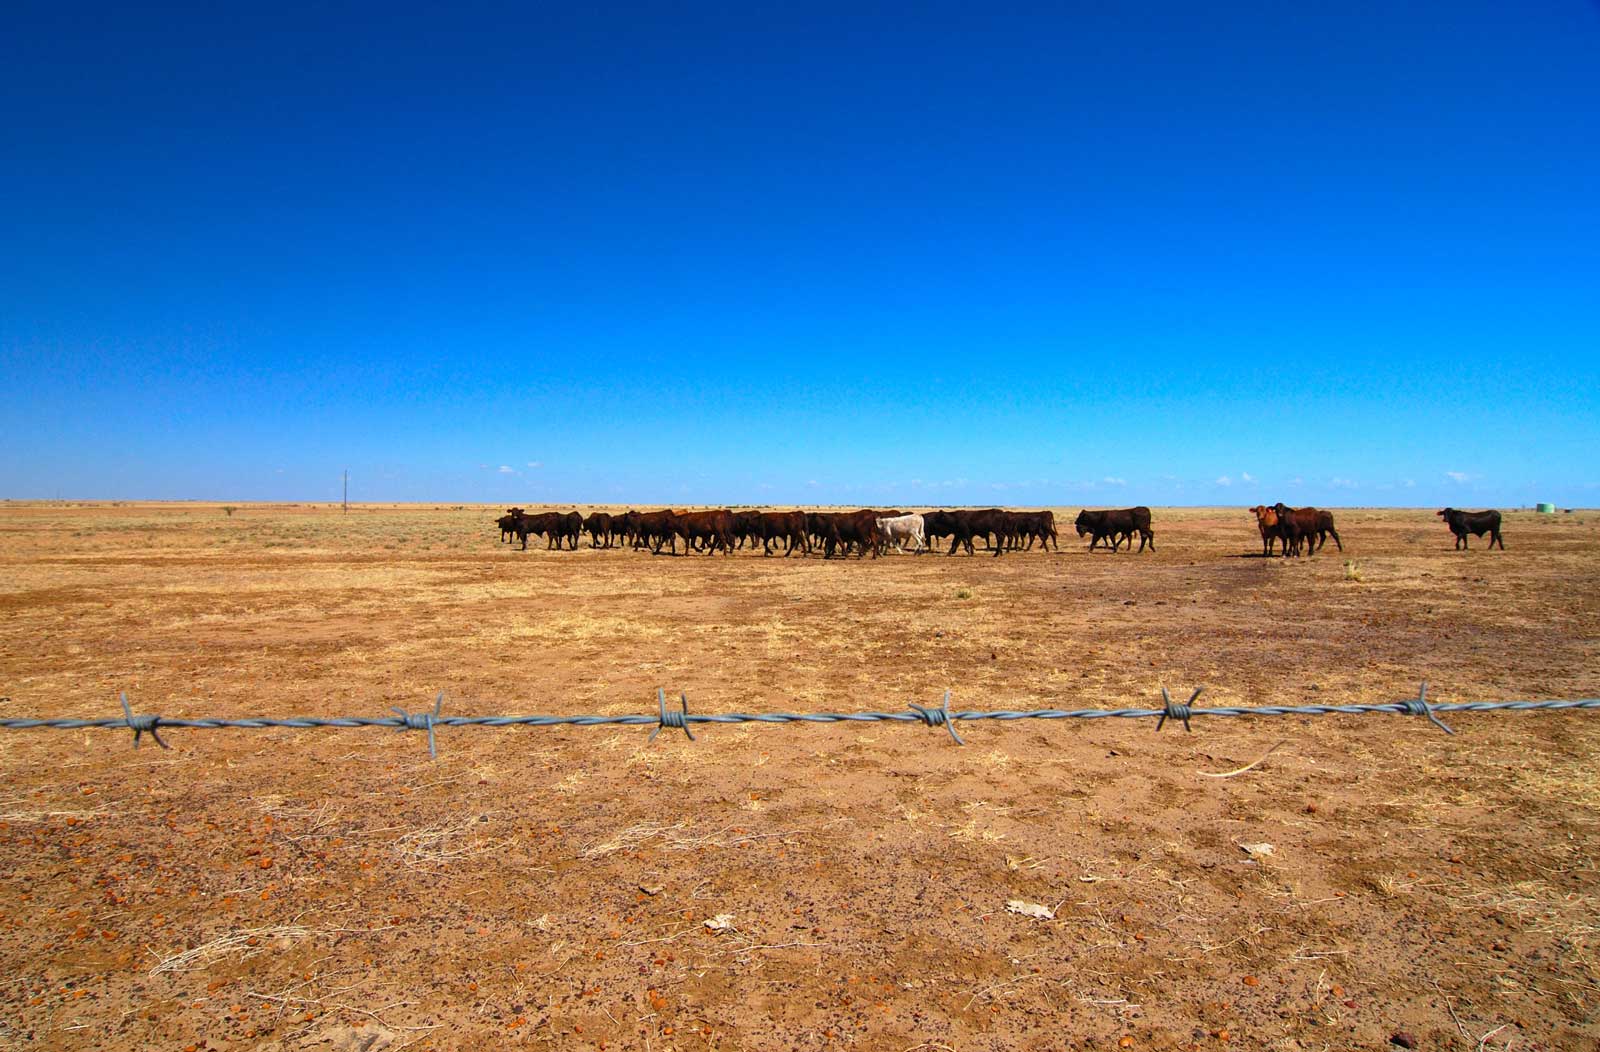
1352 571
230 509
964 593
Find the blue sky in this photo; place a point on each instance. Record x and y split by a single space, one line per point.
912 254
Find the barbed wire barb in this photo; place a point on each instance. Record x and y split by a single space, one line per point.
421 721
1419 706
671 719
939 717
141 724
1177 712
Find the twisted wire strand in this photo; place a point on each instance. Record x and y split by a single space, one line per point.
681 718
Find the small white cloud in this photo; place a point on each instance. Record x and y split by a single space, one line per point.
1341 483
1410 483
811 482
1112 480
507 469
1458 476
1245 476
1224 481
536 464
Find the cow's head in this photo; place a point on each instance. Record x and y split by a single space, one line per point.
1265 516
1446 513
1082 523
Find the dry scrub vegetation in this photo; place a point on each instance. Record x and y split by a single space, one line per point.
803 887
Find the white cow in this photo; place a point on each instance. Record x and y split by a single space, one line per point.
901 528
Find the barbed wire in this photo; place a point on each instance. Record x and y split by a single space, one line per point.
680 718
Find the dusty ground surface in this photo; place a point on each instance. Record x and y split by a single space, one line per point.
551 887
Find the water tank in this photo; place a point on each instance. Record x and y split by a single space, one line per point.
1545 509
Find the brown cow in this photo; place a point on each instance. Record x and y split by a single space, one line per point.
1309 526
1267 523
714 528
788 527
851 529
654 528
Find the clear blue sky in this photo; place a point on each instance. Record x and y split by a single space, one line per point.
932 253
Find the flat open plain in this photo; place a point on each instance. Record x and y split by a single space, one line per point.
549 888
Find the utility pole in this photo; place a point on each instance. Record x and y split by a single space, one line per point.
346 504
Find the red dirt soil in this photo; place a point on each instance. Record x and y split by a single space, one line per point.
336 889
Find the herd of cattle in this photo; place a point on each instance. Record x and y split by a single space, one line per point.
869 531
1295 531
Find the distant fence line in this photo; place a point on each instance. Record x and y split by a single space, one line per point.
681 718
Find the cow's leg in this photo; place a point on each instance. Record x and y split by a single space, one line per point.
1337 543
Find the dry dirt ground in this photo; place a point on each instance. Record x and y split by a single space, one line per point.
337 890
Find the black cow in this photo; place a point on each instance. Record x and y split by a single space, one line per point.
1115 525
746 527
961 526
1476 523
652 529
544 522
1033 526
601 527
627 526
936 524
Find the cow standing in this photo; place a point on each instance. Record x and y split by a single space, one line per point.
1271 529
1309 527
1115 525
1476 523
788 527
713 529
600 526
652 529
901 528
